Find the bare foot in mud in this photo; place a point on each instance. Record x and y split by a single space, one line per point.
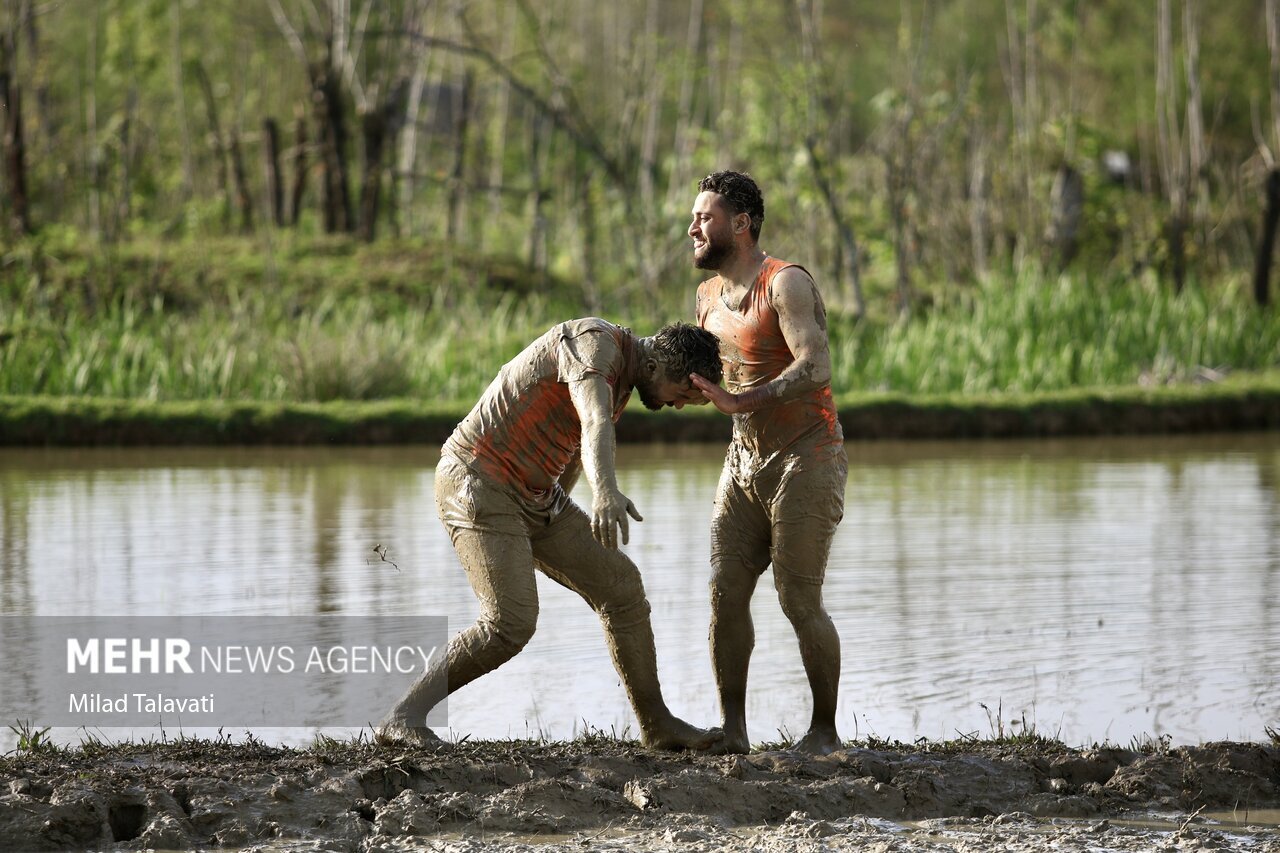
396 733
818 742
729 744
675 734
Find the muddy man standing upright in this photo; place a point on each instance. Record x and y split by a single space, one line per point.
781 493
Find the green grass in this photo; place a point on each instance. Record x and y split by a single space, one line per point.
324 320
296 320
1033 334
31 740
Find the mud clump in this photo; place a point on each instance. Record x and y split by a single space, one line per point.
526 795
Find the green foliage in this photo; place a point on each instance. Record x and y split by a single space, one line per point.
120 143
1146 744
235 320
332 319
31 740
1035 333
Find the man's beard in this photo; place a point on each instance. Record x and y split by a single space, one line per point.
713 256
651 402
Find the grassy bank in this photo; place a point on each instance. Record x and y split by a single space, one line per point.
286 339
1240 403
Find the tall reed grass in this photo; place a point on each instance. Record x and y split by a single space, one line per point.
323 321
1032 333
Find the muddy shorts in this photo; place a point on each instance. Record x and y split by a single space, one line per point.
781 510
500 537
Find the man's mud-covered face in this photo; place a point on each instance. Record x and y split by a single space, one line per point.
711 230
657 394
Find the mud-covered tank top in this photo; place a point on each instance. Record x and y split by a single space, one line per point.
754 352
525 429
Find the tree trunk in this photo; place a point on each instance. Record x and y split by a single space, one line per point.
536 248
271 168
56 185
848 242
331 124
216 141
1197 151
329 205
1176 233
373 126
180 101
1266 245
684 140
300 166
1273 49
94 165
379 126
408 154
124 207
243 199
1066 201
978 201
337 124
457 189
14 146
1170 147
897 187
586 212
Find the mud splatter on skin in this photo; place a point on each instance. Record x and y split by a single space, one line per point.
361 797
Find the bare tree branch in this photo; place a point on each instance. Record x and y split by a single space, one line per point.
1273 47
357 38
286 29
559 116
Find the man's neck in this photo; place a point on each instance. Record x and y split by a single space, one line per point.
740 271
641 351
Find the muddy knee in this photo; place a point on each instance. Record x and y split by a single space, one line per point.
502 635
800 601
626 604
514 630
732 585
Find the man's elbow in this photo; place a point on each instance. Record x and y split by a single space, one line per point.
814 373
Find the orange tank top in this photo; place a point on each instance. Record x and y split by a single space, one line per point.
754 352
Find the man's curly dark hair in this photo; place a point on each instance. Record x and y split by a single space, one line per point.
684 348
740 192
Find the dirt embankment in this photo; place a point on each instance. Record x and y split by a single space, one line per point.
1247 404
604 794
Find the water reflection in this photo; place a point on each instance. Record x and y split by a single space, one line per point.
1094 589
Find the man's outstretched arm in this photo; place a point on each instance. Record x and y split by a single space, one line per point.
803 320
609 507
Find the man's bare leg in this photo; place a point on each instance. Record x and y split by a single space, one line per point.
820 651
733 638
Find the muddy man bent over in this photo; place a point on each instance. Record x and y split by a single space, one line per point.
502 491
781 492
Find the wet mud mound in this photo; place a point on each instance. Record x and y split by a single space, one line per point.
611 795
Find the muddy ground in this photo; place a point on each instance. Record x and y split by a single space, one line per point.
600 793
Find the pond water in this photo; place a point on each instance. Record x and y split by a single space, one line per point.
1115 590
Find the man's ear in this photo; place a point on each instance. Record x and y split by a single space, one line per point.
651 367
741 222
